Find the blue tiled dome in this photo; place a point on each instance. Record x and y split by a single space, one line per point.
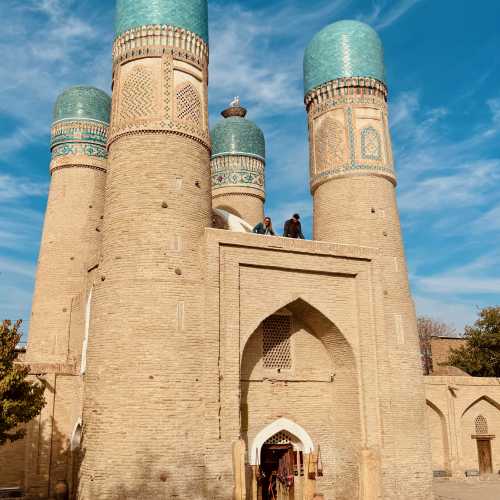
83 103
343 49
192 15
237 135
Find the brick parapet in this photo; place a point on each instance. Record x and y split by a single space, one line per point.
344 87
155 40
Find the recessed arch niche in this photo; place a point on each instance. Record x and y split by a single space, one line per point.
318 392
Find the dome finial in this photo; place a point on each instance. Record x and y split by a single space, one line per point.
235 109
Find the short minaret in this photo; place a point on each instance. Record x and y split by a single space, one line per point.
71 234
145 352
353 186
68 253
238 164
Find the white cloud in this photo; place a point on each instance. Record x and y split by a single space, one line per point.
42 56
12 188
471 184
385 13
456 314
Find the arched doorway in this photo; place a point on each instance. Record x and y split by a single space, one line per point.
436 423
278 451
298 366
480 427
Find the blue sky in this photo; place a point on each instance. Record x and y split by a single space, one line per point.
443 68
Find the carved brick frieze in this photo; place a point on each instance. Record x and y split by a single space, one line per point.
238 172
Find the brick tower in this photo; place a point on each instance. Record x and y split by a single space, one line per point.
237 165
70 243
145 353
353 186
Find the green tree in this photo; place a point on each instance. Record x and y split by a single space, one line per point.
20 399
480 356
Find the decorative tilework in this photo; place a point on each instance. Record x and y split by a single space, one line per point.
371 144
237 171
85 138
83 103
80 149
236 135
191 15
321 173
343 49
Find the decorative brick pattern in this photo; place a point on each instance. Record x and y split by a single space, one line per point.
276 342
330 145
188 104
138 95
481 425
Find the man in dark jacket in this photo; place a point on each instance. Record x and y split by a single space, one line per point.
265 227
293 228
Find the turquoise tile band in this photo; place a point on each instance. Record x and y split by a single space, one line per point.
342 50
191 15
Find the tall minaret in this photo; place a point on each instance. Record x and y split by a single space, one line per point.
238 164
145 352
70 244
353 185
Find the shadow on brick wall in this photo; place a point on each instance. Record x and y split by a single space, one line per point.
154 482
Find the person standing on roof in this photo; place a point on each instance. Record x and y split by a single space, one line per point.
293 228
265 227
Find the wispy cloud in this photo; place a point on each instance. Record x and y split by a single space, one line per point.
12 188
387 12
42 56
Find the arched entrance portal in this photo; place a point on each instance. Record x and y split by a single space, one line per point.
299 372
278 452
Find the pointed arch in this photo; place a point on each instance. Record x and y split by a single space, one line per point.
316 320
282 424
439 438
482 398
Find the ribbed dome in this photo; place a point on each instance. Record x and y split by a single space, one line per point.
83 103
341 50
192 15
237 135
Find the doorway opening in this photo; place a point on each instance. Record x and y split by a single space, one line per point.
484 455
281 465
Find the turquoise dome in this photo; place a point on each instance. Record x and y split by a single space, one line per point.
191 15
83 103
237 135
342 50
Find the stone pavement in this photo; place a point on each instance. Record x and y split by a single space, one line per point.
467 490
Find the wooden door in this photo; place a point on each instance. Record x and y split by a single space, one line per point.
484 453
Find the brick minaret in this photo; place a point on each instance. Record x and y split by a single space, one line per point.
145 354
238 164
70 243
353 185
